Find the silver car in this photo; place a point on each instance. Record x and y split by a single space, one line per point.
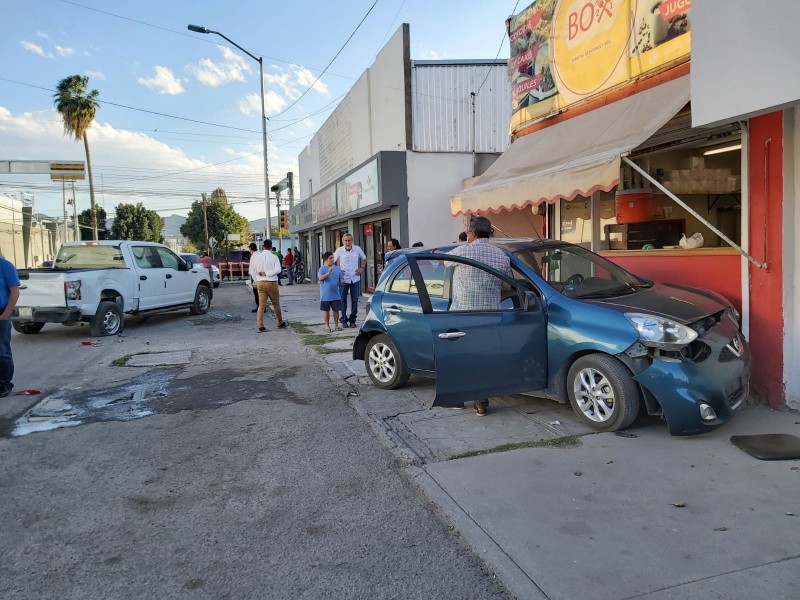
195 259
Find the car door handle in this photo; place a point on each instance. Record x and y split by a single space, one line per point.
393 310
142 277
169 275
451 335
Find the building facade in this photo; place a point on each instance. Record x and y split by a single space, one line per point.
400 143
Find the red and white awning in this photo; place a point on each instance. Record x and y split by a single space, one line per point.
572 158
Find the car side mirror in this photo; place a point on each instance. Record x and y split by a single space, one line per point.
530 301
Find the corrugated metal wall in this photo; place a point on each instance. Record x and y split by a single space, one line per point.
442 107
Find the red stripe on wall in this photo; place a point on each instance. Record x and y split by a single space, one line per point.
765 160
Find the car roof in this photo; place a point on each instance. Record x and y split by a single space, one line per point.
510 245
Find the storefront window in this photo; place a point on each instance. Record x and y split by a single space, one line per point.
576 221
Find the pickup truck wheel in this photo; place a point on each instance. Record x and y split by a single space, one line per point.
202 300
28 328
108 320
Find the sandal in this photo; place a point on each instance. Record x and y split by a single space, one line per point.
327 329
338 328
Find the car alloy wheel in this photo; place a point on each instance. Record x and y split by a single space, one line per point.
602 392
384 364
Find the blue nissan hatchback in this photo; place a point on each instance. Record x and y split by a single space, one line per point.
571 326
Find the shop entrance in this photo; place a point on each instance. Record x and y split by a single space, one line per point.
375 237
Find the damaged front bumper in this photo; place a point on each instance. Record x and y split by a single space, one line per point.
699 395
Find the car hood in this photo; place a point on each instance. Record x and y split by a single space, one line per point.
680 303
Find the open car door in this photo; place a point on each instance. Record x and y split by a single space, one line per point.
483 353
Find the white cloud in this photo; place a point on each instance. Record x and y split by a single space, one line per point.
42 34
65 51
252 103
35 48
283 81
214 74
431 55
95 74
164 82
305 78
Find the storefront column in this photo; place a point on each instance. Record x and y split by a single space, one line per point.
765 166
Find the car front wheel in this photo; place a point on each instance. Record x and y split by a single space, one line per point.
602 392
202 300
384 364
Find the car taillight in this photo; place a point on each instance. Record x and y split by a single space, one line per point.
72 290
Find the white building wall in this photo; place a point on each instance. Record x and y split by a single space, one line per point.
791 256
369 119
432 179
744 58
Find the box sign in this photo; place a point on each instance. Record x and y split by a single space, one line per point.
566 51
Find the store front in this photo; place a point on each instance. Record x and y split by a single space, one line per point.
370 203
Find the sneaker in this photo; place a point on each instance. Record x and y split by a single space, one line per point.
262 328
345 324
457 406
480 409
254 310
282 325
353 324
5 392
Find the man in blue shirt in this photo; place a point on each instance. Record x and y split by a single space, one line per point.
9 294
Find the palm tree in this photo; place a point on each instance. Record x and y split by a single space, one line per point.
77 107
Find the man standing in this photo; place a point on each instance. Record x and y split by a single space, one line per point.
288 262
265 268
9 294
352 261
253 251
205 260
474 289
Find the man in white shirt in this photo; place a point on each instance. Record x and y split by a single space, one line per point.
265 268
352 261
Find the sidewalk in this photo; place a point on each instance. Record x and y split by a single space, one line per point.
640 515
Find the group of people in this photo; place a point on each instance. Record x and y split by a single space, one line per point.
340 278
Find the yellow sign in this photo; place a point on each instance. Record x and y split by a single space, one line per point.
69 171
566 51
67 176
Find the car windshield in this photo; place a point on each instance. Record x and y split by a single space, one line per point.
579 273
89 256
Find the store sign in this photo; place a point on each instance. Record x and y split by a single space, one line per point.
565 51
323 205
358 190
368 229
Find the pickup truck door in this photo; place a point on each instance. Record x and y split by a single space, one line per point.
179 285
152 277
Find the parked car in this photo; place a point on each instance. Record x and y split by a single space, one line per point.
195 260
99 282
571 326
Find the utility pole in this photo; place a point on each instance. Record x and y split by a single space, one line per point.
75 214
64 205
205 223
290 179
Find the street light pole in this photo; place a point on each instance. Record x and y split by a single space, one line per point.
260 61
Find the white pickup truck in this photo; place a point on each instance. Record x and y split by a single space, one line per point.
99 282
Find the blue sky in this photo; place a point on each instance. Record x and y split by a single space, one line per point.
143 60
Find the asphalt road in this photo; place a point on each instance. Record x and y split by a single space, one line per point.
231 467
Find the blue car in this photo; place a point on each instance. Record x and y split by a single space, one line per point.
571 326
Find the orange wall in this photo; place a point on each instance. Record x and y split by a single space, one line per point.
765 161
720 273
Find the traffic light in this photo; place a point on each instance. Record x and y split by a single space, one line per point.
284 219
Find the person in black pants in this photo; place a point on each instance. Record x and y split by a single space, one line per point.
253 250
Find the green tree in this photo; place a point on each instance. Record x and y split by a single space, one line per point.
85 224
222 220
77 107
135 222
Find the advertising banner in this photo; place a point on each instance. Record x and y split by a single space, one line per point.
323 205
358 190
565 51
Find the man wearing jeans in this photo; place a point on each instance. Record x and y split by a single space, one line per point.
9 294
352 261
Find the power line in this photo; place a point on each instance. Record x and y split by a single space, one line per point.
296 100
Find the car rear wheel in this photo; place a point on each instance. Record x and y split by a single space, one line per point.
28 328
602 392
202 300
108 320
384 364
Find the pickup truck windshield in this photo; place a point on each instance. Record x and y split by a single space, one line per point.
89 257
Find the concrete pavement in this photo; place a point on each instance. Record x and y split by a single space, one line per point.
606 516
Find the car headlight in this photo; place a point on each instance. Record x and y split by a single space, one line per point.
659 332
